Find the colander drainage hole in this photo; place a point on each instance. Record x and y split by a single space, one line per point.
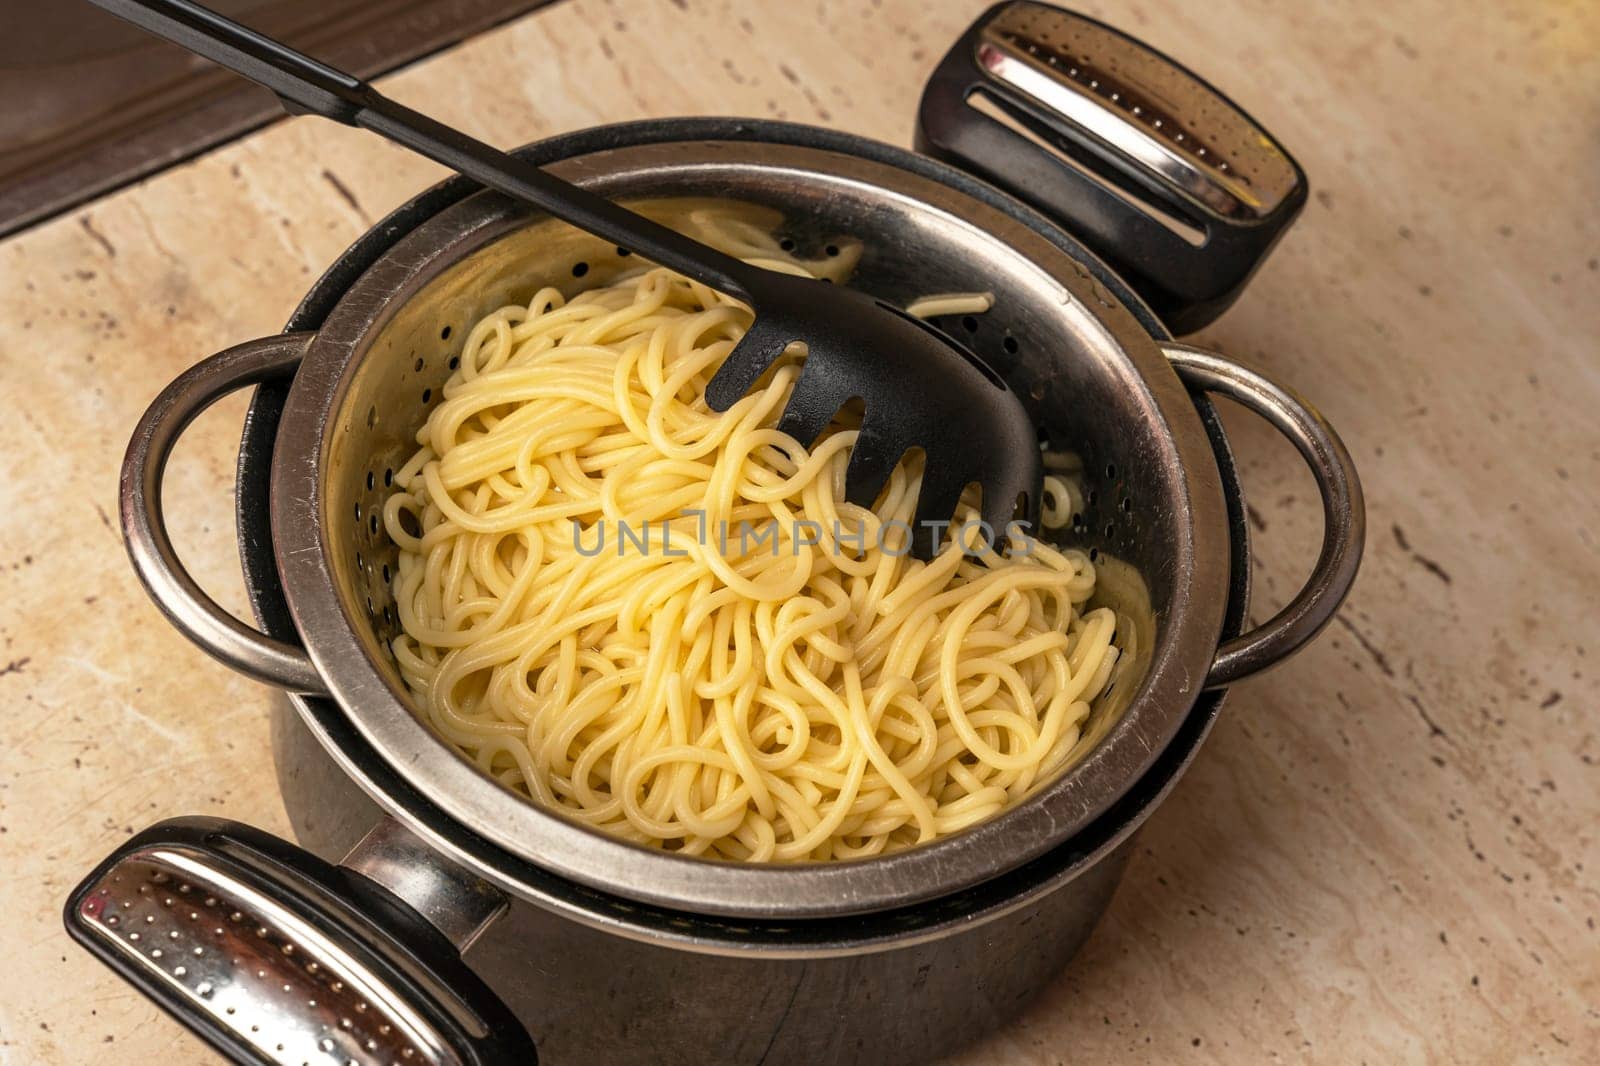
444 334
580 269
372 524
622 253
1111 470
388 476
371 481
1010 345
969 323
787 244
427 394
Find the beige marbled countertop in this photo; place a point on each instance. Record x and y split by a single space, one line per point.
1387 851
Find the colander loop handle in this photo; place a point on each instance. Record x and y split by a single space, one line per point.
1343 511
272 955
144 528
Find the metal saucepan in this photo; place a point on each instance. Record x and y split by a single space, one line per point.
603 950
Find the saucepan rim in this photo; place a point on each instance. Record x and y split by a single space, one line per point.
1185 647
328 723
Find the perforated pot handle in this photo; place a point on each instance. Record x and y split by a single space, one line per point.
1169 181
144 528
1343 511
273 956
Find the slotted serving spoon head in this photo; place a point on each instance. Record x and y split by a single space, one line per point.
920 389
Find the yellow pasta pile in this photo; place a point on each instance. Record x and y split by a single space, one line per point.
779 680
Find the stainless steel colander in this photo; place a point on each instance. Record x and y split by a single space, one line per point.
1097 383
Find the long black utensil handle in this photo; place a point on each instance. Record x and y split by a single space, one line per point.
306 86
568 202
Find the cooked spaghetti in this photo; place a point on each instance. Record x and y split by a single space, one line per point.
667 622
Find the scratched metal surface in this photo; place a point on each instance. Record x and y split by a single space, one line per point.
1387 850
